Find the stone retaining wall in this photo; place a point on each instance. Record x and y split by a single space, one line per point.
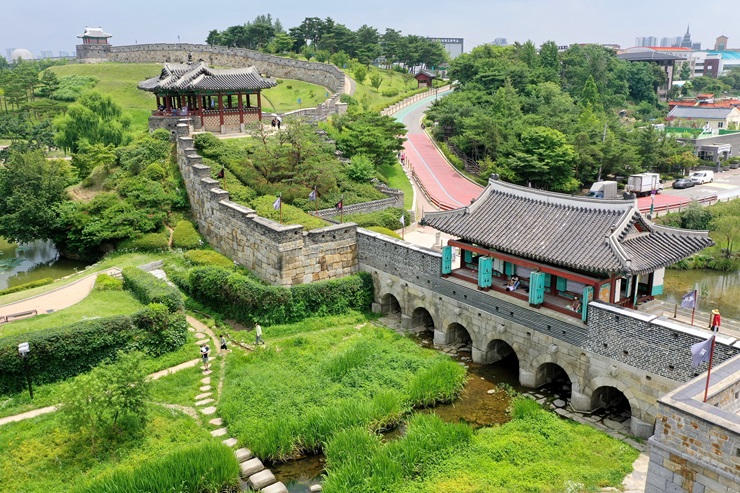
280 254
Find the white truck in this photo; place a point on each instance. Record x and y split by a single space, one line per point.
603 190
644 184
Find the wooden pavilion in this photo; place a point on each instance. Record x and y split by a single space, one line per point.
216 100
424 78
552 248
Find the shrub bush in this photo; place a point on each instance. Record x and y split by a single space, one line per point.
148 289
185 236
165 331
150 242
208 257
28 285
388 218
204 468
390 92
246 300
104 282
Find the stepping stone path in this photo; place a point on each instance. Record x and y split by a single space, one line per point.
253 472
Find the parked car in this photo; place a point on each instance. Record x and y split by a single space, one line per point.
683 183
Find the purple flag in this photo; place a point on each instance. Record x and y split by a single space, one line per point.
312 195
700 351
689 300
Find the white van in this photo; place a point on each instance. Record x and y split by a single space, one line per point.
702 177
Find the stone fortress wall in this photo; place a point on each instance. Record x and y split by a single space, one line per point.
280 254
323 74
696 446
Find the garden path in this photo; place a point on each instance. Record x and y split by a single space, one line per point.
57 299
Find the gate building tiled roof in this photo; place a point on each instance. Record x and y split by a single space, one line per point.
199 77
589 235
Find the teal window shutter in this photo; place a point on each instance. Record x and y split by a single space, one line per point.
548 280
509 268
468 256
588 295
536 288
485 268
562 284
446 260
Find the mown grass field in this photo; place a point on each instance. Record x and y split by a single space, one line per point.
119 80
323 375
373 99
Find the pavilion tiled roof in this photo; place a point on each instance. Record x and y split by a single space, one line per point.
589 235
177 77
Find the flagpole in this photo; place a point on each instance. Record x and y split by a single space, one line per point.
316 199
709 370
341 211
693 309
280 198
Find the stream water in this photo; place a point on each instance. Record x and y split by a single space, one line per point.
28 262
720 290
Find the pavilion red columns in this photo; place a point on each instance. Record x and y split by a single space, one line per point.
221 109
241 108
259 105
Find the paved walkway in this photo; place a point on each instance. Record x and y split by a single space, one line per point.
57 299
444 186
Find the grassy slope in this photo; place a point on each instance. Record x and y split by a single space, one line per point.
41 454
119 80
391 79
96 304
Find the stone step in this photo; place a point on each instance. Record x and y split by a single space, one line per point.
278 487
250 467
203 395
205 381
261 479
200 335
219 433
230 442
201 342
315 488
216 422
206 372
204 402
208 410
205 388
243 454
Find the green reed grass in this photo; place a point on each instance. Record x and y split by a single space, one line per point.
205 468
442 382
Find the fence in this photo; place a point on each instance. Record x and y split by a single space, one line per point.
413 99
677 206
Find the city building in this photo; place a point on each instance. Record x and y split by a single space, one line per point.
670 42
500 42
94 36
646 41
453 46
686 41
710 119
720 44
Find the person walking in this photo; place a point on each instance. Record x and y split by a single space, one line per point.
279 122
204 350
258 334
223 343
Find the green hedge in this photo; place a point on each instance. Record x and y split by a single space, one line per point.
28 285
204 468
246 300
59 353
104 282
150 242
208 257
148 289
185 236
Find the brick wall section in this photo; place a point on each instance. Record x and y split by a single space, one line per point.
323 74
280 254
696 446
642 341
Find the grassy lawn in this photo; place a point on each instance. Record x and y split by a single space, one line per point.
41 454
294 393
397 179
119 80
366 94
95 305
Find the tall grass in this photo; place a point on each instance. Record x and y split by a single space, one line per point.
441 382
356 460
205 468
525 408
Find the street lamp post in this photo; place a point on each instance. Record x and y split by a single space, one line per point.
23 350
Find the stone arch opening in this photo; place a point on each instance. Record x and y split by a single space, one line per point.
422 322
611 403
553 378
390 306
459 335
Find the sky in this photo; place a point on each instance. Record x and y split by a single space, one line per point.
54 24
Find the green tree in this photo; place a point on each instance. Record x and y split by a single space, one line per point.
282 43
108 401
726 229
359 72
545 160
685 71
31 189
49 84
89 156
376 80
370 134
94 118
590 94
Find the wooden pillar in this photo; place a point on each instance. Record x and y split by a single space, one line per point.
221 108
158 102
167 104
249 104
241 108
259 105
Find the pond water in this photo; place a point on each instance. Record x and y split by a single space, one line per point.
28 262
720 290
